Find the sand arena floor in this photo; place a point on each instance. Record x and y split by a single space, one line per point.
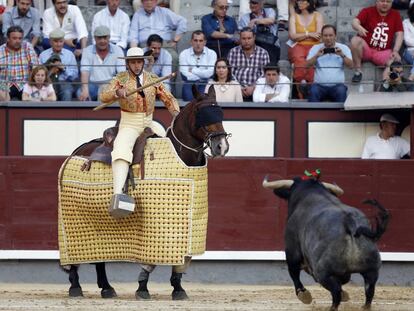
206 297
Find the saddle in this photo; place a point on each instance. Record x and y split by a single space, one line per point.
102 153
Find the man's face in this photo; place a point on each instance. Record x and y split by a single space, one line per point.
57 45
383 6
23 6
102 43
271 77
14 41
135 65
255 6
247 40
113 5
198 42
328 37
389 129
156 49
220 8
149 5
61 6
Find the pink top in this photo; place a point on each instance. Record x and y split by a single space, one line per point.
35 93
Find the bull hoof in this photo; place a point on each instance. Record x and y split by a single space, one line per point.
366 307
179 295
344 296
142 294
304 296
75 292
108 293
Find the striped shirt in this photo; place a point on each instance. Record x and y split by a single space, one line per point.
248 70
15 66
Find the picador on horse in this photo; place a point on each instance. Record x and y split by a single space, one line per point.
198 126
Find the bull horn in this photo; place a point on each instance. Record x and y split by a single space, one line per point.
276 184
334 188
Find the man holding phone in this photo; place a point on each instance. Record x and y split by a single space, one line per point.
329 59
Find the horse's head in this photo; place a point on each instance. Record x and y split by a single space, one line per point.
199 125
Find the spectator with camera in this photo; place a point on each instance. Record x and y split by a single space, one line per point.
394 80
61 62
273 87
329 59
220 29
25 16
379 38
262 21
161 61
69 18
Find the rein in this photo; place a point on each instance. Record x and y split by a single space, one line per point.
198 149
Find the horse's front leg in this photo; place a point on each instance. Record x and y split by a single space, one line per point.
75 289
175 280
142 291
107 290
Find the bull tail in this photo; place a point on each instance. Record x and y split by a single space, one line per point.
381 219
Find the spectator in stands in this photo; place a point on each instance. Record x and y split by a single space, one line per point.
408 26
227 90
378 28
262 21
150 19
39 86
25 16
220 28
329 58
97 59
70 19
247 61
63 69
196 64
161 61
304 32
273 87
17 58
386 145
283 13
116 20
394 80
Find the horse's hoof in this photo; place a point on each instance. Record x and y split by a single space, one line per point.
75 292
108 293
304 296
142 294
179 295
344 296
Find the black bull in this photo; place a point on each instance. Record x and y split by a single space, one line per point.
328 239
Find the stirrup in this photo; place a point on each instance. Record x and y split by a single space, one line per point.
121 205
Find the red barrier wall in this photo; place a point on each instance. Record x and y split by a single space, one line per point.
242 215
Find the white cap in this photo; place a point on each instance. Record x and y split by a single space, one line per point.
386 117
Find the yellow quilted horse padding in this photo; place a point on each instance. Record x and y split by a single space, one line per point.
169 221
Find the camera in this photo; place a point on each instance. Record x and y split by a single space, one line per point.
329 51
394 75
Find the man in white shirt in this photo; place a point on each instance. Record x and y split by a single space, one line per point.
196 64
69 18
116 20
385 145
273 87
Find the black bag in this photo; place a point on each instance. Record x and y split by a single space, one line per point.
264 35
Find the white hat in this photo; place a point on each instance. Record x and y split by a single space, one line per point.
135 53
386 117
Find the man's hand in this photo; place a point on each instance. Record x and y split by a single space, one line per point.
84 95
77 52
362 31
320 52
248 90
339 52
395 56
121 93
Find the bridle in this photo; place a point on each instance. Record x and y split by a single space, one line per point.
206 141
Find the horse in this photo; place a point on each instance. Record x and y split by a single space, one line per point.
197 127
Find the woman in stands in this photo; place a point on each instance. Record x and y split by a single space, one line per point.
39 87
227 89
304 32
408 25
